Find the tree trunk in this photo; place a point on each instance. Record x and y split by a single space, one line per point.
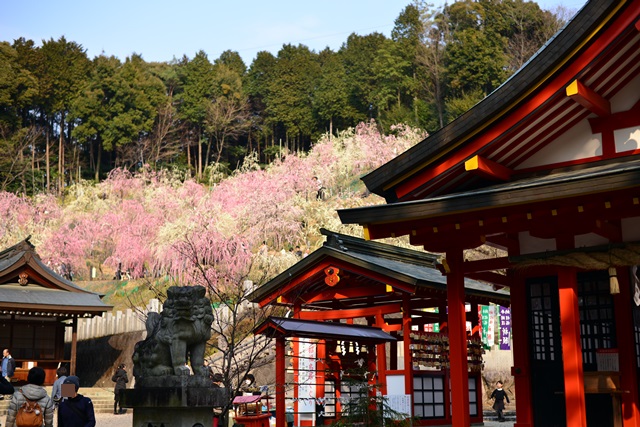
206 159
188 158
48 164
199 155
98 161
330 128
33 170
61 156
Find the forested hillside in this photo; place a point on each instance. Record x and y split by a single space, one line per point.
164 224
65 118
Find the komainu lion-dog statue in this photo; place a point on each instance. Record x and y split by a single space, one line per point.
175 336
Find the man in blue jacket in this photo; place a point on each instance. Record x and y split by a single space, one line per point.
8 365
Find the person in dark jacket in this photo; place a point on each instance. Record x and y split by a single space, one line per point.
121 379
499 395
76 410
5 386
8 364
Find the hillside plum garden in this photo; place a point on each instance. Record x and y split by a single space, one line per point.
156 222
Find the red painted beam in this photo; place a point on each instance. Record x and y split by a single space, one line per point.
488 169
351 313
291 285
588 98
343 293
613 232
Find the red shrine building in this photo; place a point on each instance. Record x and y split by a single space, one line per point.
362 321
547 168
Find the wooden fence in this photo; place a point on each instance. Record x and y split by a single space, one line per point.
114 323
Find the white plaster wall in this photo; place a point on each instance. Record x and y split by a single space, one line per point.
587 240
530 244
577 143
627 139
631 229
627 97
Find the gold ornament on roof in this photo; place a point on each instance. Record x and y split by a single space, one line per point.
23 279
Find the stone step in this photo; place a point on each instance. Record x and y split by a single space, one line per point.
102 399
492 416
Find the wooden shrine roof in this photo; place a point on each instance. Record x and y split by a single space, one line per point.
598 48
572 201
29 287
370 274
286 327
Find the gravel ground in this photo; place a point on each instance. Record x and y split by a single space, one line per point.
125 420
110 420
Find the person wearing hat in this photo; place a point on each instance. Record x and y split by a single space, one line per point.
76 410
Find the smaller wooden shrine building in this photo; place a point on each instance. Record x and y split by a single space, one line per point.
361 316
36 305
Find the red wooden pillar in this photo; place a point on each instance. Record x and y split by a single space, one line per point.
571 348
74 345
280 383
625 337
457 341
321 356
381 351
371 376
520 332
295 346
406 343
475 334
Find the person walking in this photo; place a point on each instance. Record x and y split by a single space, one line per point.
32 391
8 365
76 410
499 396
56 390
121 379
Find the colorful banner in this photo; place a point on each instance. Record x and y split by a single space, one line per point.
491 331
484 313
505 328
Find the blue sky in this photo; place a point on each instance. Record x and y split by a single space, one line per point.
160 30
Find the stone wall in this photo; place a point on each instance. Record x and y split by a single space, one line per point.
497 366
97 358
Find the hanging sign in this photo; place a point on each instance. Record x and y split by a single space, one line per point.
484 313
505 328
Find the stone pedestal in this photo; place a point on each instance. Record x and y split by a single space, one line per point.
188 406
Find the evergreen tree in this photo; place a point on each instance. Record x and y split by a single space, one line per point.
331 97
